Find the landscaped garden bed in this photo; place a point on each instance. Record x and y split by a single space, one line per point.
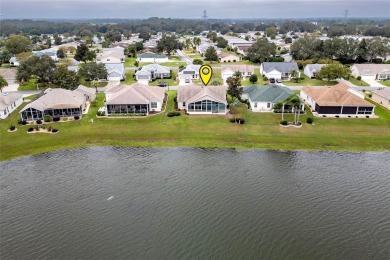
42 130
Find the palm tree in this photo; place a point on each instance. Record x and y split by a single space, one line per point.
95 83
197 41
3 83
294 74
237 74
295 102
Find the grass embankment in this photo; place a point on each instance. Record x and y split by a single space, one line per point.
261 130
357 82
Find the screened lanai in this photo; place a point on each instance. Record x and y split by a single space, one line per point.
207 106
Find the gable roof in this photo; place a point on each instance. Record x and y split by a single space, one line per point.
385 93
115 67
284 67
190 69
134 94
372 68
269 93
8 98
227 54
337 95
314 67
193 93
57 99
108 54
240 68
153 67
86 90
151 55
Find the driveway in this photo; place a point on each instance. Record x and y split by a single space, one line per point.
184 57
373 83
11 87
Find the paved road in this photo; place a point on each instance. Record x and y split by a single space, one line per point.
184 57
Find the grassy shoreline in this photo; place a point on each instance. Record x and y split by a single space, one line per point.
260 131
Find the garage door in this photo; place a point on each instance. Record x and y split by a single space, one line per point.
368 77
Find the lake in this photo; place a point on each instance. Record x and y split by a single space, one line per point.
188 203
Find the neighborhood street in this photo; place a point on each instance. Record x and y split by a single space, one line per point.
184 57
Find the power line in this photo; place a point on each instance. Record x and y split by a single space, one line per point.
204 15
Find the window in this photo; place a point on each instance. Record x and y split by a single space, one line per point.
268 105
184 104
153 105
255 105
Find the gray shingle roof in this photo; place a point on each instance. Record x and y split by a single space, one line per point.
153 67
8 98
269 93
284 67
118 67
385 92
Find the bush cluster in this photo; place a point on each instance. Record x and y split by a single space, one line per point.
30 129
309 120
12 128
76 118
22 122
237 120
47 118
56 119
284 122
39 121
54 130
172 114
101 113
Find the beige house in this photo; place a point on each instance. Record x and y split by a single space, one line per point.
382 97
56 103
197 100
134 99
109 57
228 57
229 70
371 71
9 75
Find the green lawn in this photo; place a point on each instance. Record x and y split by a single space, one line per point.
356 82
216 76
89 83
129 62
385 82
261 130
129 77
260 81
309 82
32 85
171 82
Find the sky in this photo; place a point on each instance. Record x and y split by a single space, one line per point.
192 9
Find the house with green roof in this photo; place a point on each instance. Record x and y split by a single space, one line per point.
263 98
151 57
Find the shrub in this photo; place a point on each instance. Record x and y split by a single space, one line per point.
237 120
39 121
370 95
253 78
309 120
22 122
337 116
323 115
197 62
47 118
54 130
49 128
101 113
65 119
37 128
94 103
30 129
177 113
284 122
76 118
174 113
56 119
367 116
181 67
359 78
175 99
12 128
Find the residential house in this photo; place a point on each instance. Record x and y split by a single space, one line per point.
263 98
56 103
197 100
9 75
52 53
311 70
118 49
228 57
243 48
189 73
134 99
371 71
109 57
338 100
229 70
73 65
152 72
151 57
115 71
89 93
382 97
279 70
9 102
14 62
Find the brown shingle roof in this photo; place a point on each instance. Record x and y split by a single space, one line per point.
135 94
193 93
337 95
8 73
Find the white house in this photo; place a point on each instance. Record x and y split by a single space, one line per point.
229 70
371 71
263 98
9 102
134 99
151 57
197 100
189 73
311 70
52 53
14 62
115 71
279 70
152 72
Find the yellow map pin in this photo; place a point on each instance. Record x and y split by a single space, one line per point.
205 73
